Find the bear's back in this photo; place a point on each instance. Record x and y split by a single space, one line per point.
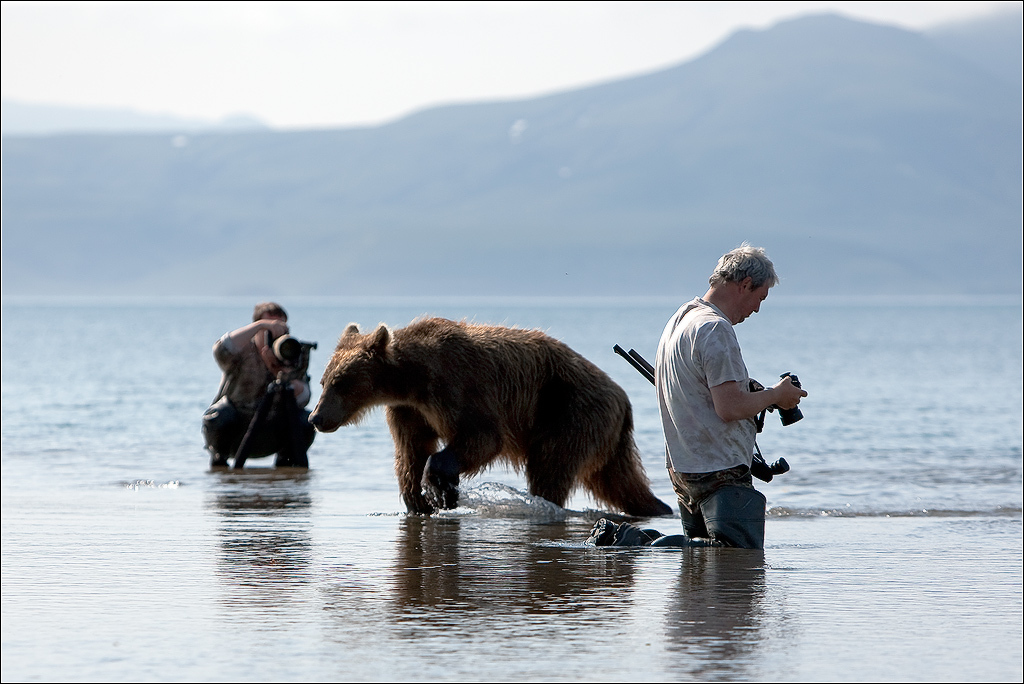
497 354
481 343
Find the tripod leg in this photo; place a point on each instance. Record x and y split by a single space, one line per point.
244 447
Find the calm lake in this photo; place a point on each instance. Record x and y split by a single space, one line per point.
894 546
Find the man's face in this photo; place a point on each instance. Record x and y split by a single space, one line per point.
750 299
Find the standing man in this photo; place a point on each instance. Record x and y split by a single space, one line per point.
707 409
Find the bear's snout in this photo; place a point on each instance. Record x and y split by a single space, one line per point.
316 419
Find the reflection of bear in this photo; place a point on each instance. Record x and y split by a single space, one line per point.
487 392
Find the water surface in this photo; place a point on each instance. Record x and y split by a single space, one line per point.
893 547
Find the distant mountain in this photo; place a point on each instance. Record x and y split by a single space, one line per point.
987 41
20 118
866 158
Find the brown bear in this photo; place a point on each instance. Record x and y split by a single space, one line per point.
486 392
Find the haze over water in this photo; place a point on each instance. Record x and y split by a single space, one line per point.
893 547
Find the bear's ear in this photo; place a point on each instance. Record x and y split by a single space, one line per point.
349 337
379 339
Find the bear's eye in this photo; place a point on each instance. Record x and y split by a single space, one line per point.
342 384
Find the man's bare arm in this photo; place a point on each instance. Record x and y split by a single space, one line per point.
734 402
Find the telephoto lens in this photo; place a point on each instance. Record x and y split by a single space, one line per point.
288 350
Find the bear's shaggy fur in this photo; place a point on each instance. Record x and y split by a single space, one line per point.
488 392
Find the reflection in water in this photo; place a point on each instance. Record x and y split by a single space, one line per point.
473 590
715 620
264 545
471 597
453 569
427 567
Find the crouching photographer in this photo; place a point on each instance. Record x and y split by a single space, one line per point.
259 410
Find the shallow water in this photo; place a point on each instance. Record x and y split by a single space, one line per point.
894 547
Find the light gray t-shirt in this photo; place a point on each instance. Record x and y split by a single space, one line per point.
698 351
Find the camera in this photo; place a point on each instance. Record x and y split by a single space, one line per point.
291 351
787 416
790 416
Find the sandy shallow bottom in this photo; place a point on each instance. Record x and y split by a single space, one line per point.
259 577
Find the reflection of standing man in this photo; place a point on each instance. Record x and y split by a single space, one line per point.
717 618
247 357
707 408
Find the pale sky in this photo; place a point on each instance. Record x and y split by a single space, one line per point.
318 64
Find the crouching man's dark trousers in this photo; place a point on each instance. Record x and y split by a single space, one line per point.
283 430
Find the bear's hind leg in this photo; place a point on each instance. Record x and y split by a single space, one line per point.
557 446
557 491
554 460
621 481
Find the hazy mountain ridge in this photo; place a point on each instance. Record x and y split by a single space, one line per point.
864 156
986 41
33 119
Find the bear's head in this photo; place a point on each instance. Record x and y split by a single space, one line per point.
352 382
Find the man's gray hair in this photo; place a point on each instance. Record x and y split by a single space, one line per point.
745 262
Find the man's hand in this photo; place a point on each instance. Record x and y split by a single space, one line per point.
266 331
302 393
258 330
788 395
275 326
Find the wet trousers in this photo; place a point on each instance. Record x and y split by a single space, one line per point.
722 506
284 430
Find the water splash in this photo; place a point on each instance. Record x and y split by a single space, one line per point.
136 485
496 500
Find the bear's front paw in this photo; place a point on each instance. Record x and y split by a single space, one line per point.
417 504
441 481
